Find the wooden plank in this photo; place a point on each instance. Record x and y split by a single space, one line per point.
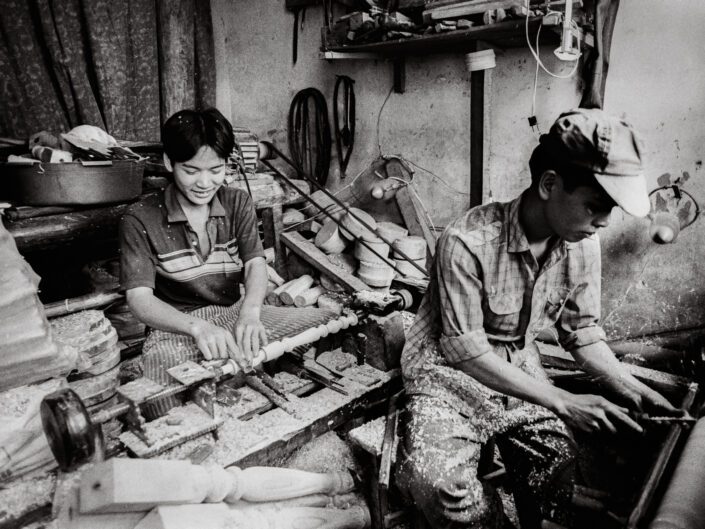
477 136
414 218
554 356
315 257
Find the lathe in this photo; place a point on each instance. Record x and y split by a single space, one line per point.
75 435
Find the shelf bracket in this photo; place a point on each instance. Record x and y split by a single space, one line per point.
399 65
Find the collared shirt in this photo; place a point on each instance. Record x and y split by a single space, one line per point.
160 249
487 293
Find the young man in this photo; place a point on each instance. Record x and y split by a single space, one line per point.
503 272
185 251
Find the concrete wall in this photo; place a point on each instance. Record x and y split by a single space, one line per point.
656 80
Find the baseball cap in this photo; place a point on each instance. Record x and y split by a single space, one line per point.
609 147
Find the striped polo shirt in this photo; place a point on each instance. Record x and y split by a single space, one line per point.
160 250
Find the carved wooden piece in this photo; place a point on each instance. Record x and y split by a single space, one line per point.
130 485
217 516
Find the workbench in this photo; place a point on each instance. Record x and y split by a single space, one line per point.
253 433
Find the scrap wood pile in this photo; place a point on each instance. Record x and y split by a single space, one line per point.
380 20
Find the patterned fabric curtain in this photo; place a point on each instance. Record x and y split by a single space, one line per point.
123 65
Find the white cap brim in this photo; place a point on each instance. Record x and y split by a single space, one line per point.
629 192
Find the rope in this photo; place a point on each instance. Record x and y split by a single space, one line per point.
309 134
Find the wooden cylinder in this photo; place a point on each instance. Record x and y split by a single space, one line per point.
329 238
274 277
218 516
414 247
353 228
363 253
406 269
275 349
391 231
375 274
293 288
308 297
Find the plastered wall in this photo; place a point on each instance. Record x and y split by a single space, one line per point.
656 80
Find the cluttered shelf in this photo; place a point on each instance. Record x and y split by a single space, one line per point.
506 34
42 228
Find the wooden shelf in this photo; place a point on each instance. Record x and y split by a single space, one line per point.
101 223
506 34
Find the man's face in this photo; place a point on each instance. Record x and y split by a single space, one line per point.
575 215
199 178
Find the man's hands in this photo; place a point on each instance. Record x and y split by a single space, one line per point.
249 333
592 413
218 343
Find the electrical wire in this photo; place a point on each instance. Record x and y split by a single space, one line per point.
535 52
379 116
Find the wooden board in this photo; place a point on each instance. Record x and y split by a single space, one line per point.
315 257
414 219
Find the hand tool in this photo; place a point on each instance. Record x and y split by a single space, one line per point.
272 384
295 366
685 419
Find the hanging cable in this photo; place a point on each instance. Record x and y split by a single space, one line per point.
535 53
309 134
345 136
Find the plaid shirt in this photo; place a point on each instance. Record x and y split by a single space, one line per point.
488 294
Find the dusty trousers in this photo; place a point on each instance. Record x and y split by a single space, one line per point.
441 450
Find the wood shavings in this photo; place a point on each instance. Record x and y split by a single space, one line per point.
407 319
25 495
16 402
370 435
239 439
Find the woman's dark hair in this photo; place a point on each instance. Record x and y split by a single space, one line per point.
545 158
184 133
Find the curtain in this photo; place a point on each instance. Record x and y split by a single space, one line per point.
123 65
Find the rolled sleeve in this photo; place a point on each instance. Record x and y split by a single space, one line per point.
579 321
460 295
465 346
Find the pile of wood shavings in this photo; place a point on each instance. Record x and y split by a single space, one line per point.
407 320
239 438
15 402
370 435
25 495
